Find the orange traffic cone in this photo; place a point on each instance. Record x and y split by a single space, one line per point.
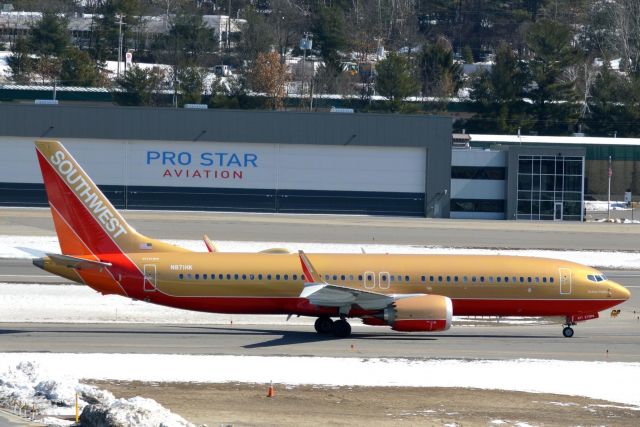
271 391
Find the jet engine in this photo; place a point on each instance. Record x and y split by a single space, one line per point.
425 313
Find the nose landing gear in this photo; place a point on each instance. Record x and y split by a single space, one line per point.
567 331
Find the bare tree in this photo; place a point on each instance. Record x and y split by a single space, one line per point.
269 75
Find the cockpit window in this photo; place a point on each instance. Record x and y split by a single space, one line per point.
596 277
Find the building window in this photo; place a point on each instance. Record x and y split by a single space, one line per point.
478 172
476 205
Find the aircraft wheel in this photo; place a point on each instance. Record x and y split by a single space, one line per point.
324 325
567 332
341 328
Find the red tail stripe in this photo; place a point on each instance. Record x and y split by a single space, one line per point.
74 212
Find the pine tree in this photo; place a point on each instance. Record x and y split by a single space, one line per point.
395 79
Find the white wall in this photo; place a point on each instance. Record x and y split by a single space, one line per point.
203 164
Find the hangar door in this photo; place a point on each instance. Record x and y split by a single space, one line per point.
350 179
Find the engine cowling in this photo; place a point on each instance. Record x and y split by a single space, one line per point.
425 313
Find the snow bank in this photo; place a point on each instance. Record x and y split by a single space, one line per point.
48 393
590 379
10 247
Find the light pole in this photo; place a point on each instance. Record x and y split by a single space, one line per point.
305 43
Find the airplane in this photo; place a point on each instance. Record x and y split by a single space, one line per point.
409 293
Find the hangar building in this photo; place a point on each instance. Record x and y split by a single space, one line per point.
263 161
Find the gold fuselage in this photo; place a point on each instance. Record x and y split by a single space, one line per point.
455 276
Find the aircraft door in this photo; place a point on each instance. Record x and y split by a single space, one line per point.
369 279
149 278
383 280
565 281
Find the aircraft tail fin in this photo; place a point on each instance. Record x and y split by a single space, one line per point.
85 221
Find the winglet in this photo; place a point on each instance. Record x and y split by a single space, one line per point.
211 247
310 273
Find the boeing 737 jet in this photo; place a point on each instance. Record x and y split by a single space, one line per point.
406 292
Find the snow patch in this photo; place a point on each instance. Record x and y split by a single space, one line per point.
10 248
44 391
578 378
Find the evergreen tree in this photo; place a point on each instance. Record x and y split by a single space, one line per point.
551 92
138 86
78 69
329 31
395 79
440 75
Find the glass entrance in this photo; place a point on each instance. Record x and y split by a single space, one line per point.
557 211
550 187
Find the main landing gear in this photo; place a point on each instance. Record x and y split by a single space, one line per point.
340 328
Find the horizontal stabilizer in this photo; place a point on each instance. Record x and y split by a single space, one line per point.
78 263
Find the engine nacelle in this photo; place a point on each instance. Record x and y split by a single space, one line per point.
425 313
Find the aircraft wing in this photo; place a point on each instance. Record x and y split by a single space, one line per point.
328 295
321 293
78 263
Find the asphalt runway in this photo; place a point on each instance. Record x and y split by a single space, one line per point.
354 229
606 338
603 339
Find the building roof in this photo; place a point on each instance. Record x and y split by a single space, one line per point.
560 140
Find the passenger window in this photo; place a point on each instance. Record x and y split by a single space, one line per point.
448 279
244 277
481 279
464 279
369 277
189 276
335 277
473 279
498 279
544 280
343 277
384 277
277 277
537 279
326 277
286 277
204 276
514 279
521 279
407 279
506 279
252 276
295 277
490 279
423 279
260 276
551 279
455 279
268 277
180 276
351 277
360 277
439 278
235 276
529 279
197 276
392 277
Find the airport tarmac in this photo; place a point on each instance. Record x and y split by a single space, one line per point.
354 229
604 339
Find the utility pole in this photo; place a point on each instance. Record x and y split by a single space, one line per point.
609 173
120 24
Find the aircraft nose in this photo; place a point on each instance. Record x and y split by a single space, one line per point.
620 292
